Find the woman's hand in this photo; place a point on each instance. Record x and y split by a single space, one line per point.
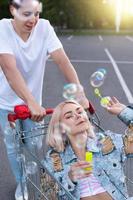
78 170
114 106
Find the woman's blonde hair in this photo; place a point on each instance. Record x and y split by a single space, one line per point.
55 136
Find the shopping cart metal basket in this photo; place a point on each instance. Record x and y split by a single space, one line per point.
40 182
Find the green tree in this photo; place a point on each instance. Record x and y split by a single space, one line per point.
4 11
75 14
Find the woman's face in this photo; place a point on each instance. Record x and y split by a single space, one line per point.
27 15
74 117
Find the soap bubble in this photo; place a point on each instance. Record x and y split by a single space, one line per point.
61 127
123 179
80 142
31 167
103 71
21 158
101 137
97 79
9 140
105 101
72 91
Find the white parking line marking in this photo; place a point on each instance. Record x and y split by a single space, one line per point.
120 77
125 62
90 61
70 37
129 38
99 61
100 37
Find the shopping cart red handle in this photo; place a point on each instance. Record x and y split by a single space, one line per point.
91 108
22 112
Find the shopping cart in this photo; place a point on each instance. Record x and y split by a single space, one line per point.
40 182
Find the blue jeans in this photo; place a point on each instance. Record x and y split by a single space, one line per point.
11 149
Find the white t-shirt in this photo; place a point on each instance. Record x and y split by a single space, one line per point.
30 57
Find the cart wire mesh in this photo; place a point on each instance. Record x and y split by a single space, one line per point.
40 181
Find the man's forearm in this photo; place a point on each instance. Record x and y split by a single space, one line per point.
69 73
60 58
15 80
18 85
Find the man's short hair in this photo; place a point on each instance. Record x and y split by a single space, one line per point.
16 4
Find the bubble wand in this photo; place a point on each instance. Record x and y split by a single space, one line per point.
103 100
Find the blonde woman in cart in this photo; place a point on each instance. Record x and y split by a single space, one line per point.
70 136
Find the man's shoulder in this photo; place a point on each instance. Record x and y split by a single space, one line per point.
43 27
4 21
4 27
43 22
